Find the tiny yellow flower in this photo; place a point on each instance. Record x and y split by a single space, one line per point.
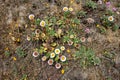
71 1
45 49
62 71
6 48
71 36
65 9
42 23
53 48
68 51
43 35
98 25
70 9
16 25
18 40
14 58
62 48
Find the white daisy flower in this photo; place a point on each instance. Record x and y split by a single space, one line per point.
63 58
110 18
50 61
62 48
44 58
65 9
42 23
35 54
31 17
52 55
57 51
58 65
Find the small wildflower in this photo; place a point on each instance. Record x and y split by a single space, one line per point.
82 39
58 65
65 9
42 23
13 38
14 58
77 45
114 9
87 30
37 31
52 55
71 36
28 38
98 25
71 1
70 43
62 71
108 4
90 20
33 27
6 48
31 16
118 12
37 35
63 58
18 40
44 58
42 35
68 51
70 9
110 18
35 54
57 51
99 1
62 48
59 31
50 61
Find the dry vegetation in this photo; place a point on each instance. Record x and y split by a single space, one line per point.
59 40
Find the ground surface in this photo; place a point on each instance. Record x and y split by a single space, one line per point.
15 12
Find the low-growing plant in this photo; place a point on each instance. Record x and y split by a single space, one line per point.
105 22
115 27
81 14
20 52
91 4
87 57
7 53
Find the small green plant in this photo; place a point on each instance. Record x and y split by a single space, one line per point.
105 22
91 4
87 57
37 21
81 14
20 52
76 21
116 27
24 77
7 53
